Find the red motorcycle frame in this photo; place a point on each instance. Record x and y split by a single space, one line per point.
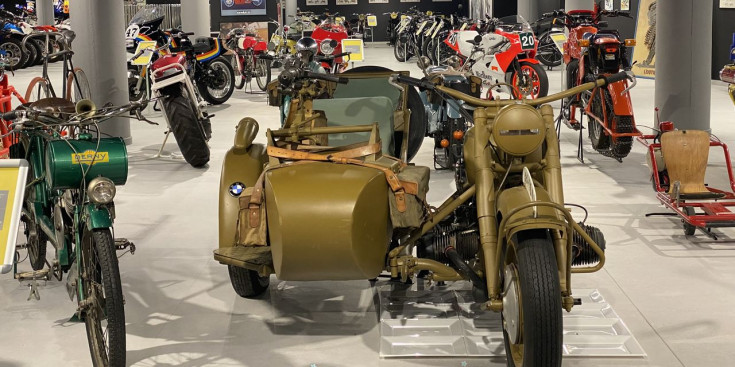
6 96
591 53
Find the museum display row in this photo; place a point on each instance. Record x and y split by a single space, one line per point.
332 194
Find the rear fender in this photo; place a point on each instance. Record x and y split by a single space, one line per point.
621 101
242 166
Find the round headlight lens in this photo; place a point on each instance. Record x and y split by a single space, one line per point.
101 190
326 47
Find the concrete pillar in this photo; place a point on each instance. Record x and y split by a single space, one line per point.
291 6
195 17
99 49
579 5
528 9
683 85
45 12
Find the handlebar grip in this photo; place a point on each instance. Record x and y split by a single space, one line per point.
327 77
187 33
342 54
9 116
616 77
419 83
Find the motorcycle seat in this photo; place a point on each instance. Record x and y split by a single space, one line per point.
203 44
359 111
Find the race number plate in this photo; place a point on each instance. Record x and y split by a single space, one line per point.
528 42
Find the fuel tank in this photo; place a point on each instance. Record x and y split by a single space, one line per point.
327 221
68 160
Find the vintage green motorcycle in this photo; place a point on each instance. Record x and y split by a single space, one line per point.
73 173
321 200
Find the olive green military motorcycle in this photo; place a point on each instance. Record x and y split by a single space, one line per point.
321 200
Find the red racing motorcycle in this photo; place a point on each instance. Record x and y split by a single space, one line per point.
329 35
250 58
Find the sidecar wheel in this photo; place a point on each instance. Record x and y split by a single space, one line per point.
247 283
532 321
688 228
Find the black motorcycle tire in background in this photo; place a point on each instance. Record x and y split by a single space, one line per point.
225 82
548 54
106 342
185 127
239 78
14 48
401 51
36 238
263 73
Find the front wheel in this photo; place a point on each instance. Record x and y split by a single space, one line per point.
239 78
217 85
104 314
531 82
532 320
187 130
14 52
401 50
263 73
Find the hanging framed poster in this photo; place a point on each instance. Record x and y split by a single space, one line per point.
346 2
644 54
378 1
625 5
231 8
316 2
609 5
410 1
13 173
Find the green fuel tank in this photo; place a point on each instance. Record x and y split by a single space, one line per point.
67 160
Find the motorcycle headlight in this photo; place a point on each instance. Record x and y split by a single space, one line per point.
101 190
327 47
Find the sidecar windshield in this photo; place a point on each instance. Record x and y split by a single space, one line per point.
514 23
147 15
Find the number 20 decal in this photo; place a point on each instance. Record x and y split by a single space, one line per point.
527 40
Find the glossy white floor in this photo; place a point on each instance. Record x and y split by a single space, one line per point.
675 293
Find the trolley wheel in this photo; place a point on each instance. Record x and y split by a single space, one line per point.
688 228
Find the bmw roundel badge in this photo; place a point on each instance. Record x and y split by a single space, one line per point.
229 3
237 188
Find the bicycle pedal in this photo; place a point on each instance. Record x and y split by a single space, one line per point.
124 243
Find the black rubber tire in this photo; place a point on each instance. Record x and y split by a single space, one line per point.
267 77
37 51
32 52
106 273
247 283
599 140
239 78
554 57
543 78
202 85
38 242
541 310
186 129
401 52
132 95
13 45
688 228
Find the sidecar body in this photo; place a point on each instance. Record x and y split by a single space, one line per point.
324 211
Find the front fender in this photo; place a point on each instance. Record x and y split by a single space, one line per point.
242 165
524 219
97 217
529 60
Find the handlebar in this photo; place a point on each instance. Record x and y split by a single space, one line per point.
327 77
478 102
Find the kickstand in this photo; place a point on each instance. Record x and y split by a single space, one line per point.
158 155
156 107
33 285
580 147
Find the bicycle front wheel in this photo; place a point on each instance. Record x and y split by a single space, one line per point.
104 315
77 86
37 89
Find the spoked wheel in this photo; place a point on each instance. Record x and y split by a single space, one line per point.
36 238
532 81
104 314
219 83
239 78
532 321
263 73
37 89
400 51
548 54
77 86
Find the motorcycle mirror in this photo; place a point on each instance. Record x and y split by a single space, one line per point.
423 63
478 39
333 43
